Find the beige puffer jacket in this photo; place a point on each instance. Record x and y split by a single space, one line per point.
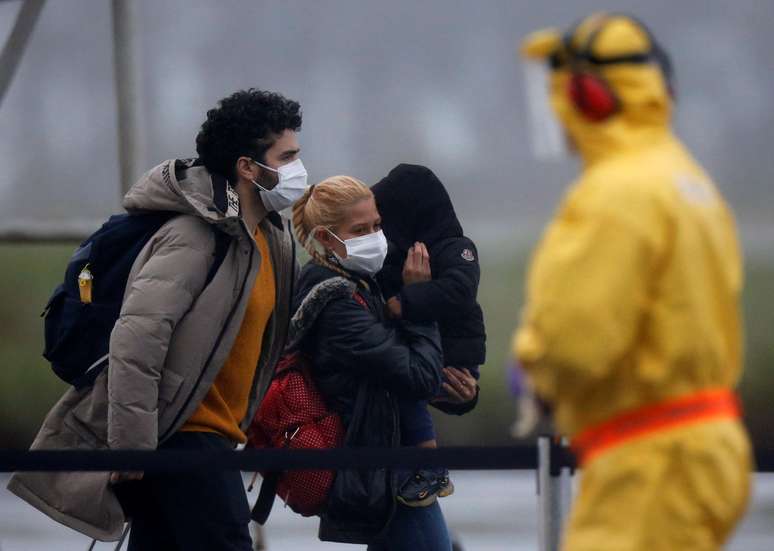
172 338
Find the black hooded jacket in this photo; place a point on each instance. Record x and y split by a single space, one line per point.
415 206
362 364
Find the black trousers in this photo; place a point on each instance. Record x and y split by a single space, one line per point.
188 511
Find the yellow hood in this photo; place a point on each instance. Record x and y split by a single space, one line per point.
645 101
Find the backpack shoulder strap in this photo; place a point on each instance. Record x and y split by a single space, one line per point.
360 300
263 504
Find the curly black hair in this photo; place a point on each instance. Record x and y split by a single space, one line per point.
246 123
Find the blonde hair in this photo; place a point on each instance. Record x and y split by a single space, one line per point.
325 205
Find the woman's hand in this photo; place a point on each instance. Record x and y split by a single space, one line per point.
417 266
461 387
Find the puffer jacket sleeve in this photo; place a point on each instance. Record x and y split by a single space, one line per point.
161 291
405 358
453 289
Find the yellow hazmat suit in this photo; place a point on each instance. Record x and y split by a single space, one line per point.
631 328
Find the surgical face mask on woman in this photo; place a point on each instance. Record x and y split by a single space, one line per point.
365 254
290 188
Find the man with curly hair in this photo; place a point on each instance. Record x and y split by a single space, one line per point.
192 353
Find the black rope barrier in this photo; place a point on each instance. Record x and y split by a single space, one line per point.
458 458
466 458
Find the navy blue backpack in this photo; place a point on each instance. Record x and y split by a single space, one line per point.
82 311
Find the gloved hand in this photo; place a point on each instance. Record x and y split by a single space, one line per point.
528 415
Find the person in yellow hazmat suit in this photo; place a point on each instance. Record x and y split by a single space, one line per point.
631 329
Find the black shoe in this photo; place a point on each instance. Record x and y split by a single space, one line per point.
423 487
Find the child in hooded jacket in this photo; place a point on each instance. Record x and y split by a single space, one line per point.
417 213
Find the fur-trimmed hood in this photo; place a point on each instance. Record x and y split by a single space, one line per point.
313 303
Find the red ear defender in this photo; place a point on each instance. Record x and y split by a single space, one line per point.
592 96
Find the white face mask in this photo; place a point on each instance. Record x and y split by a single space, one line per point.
290 188
365 254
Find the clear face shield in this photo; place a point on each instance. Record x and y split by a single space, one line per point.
546 134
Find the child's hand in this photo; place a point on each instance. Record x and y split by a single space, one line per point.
417 266
394 310
461 387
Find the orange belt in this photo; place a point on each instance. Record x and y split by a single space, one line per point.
702 406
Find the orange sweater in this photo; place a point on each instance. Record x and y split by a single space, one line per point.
225 405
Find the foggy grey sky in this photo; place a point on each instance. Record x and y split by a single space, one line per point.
433 82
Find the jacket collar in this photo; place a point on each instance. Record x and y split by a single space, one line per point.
226 201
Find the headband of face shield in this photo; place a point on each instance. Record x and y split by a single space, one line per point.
290 188
365 254
587 89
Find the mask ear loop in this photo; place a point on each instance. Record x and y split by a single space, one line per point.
260 187
264 166
256 184
312 241
333 257
336 237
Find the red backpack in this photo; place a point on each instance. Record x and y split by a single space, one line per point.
293 415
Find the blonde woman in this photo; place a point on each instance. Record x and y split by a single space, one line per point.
363 362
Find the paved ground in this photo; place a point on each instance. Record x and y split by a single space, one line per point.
491 511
